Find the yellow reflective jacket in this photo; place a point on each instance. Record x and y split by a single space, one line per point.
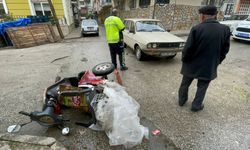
113 25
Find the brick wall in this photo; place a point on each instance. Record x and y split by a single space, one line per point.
174 17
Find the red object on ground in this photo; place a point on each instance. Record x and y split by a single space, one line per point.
57 109
156 132
89 77
118 77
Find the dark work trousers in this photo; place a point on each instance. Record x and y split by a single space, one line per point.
115 49
202 86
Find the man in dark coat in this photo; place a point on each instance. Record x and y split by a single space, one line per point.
206 47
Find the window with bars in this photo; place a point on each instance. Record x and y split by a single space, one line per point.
245 8
162 1
144 3
42 9
229 9
132 4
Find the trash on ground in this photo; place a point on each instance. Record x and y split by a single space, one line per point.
156 132
117 115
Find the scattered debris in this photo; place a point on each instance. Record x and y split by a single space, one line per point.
84 59
59 59
156 132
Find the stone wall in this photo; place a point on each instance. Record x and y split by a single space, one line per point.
173 17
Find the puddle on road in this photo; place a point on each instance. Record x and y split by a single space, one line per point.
157 142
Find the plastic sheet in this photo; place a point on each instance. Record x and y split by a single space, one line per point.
17 23
117 115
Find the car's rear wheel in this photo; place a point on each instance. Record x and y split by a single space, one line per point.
139 53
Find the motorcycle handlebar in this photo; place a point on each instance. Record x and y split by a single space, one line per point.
24 113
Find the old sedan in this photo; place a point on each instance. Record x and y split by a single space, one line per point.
148 37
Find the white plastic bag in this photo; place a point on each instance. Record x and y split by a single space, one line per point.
117 115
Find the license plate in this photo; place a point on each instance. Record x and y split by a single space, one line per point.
90 29
243 35
167 54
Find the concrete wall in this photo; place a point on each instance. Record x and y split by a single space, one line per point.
68 12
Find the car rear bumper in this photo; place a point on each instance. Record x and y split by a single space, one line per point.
90 32
162 52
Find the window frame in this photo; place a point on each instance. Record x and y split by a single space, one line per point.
42 7
4 7
144 3
132 4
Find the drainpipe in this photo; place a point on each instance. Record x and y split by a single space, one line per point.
154 10
172 25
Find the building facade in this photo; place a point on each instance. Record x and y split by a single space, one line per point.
174 14
238 7
24 8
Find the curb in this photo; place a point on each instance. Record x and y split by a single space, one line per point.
16 142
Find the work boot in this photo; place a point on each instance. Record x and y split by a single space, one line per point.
181 102
195 109
124 68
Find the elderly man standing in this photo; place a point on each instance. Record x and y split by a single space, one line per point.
206 47
114 27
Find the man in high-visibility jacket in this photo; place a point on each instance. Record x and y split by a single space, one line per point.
114 27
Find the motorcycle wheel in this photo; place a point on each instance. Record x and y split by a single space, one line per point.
103 69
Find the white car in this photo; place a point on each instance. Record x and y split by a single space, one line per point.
242 31
148 37
89 26
233 21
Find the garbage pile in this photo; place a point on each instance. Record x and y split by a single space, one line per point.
117 115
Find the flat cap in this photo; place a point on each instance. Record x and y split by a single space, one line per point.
208 10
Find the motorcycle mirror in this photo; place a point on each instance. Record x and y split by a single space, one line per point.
14 128
65 131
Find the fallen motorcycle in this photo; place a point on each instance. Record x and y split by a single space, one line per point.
75 92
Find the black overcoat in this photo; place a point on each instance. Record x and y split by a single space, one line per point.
206 47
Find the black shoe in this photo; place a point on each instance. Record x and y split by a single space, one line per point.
181 103
195 109
124 68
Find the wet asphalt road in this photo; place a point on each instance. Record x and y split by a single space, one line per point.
223 124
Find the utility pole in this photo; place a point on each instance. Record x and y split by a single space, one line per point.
154 9
55 18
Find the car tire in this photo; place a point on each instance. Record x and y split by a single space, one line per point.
97 34
139 53
103 69
125 45
171 57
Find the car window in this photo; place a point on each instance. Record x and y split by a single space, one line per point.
127 24
89 22
248 19
132 26
237 17
149 26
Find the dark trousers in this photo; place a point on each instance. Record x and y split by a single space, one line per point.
115 49
202 86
